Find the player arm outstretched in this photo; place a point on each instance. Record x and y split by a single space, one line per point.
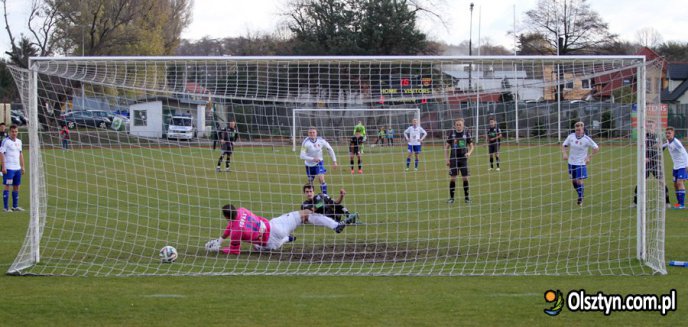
234 241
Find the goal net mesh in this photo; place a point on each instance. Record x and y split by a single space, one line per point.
105 202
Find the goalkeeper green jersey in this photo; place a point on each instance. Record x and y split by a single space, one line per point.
359 128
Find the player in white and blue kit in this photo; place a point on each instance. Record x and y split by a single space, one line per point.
12 168
578 157
414 136
312 154
680 158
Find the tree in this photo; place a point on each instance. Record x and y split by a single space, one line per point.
21 53
674 51
533 44
252 44
8 90
105 27
617 48
648 37
351 27
120 27
567 25
41 30
489 49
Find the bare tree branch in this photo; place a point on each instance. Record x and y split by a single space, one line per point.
43 35
7 26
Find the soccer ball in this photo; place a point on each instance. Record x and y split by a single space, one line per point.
168 254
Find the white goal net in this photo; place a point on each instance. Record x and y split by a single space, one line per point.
140 169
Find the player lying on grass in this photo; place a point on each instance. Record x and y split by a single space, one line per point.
323 204
265 235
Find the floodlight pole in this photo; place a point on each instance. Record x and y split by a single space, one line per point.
470 49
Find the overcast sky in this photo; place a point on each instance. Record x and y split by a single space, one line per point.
491 18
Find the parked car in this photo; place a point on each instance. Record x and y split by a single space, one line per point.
18 117
87 118
181 127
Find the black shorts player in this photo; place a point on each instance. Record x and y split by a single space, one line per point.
323 204
652 166
493 136
228 148
355 145
458 144
458 147
227 137
652 153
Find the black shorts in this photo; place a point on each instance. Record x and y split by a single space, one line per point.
494 148
458 165
355 151
652 167
227 148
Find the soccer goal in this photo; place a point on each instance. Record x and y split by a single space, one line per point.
384 126
106 201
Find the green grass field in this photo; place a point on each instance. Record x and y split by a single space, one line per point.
525 233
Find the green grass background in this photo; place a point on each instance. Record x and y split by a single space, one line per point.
318 300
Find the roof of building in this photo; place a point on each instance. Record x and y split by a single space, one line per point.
675 94
677 71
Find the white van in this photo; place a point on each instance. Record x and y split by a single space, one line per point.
181 127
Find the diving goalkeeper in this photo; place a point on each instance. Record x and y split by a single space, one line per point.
265 235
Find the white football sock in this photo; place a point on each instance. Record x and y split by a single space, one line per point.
322 220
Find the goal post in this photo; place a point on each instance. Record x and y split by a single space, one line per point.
356 114
107 200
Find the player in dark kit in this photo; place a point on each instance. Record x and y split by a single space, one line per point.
652 167
494 135
227 136
323 204
355 149
458 148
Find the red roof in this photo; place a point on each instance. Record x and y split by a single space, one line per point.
473 98
192 87
609 82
